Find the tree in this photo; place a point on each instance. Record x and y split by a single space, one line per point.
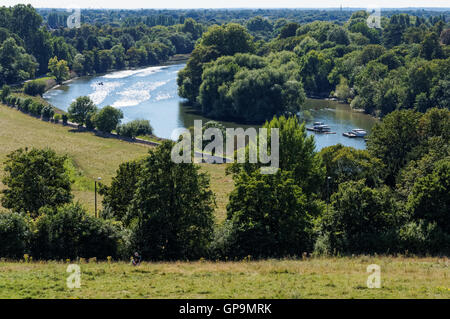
345 164
289 30
58 69
430 48
445 36
228 39
80 109
118 196
258 95
70 232
269 217
172 210
430 197
15 64
296 154
14 235
392 140
361 220
108 118
35 179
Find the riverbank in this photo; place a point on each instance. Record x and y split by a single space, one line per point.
91 155
328 277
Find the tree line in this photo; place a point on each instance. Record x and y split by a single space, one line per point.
405 65
28 48
391 198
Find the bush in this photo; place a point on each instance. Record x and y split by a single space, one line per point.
360 220
57 118
36 108
14 235
25 106
134 128
107 119
69 232
90 121
47 112
64 119
35 87
6 91
421 237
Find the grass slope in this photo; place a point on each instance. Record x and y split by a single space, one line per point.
90 156
312 278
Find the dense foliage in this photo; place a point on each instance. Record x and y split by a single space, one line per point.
35 178
403 66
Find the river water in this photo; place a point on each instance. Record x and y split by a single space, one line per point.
151 93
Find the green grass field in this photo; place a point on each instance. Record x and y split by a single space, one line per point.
91 156
311 278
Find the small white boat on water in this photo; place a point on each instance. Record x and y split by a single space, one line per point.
320 127
359 132
356 132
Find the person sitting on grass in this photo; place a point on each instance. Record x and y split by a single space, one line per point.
136 259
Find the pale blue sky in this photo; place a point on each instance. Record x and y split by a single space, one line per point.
134 4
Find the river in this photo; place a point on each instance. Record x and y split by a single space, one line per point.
151 93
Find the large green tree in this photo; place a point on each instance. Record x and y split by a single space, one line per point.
35 178
171 213
81 109
269 217
392 139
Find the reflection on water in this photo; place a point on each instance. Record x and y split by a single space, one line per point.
151 93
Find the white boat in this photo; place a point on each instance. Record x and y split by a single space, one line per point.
359 132
320 127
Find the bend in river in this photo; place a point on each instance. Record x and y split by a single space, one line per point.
151 93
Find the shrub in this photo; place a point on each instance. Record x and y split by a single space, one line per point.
69 232
36 108
89 121
26 104
6 91
47 112
14 234
422 237
57 118
35 87
135 128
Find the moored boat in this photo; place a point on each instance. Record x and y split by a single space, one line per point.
320 127
356 132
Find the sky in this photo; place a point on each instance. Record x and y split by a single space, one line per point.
173 4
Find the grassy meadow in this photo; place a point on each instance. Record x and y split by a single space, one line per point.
90 156
311 278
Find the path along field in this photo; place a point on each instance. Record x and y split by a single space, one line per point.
313 278
91 156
